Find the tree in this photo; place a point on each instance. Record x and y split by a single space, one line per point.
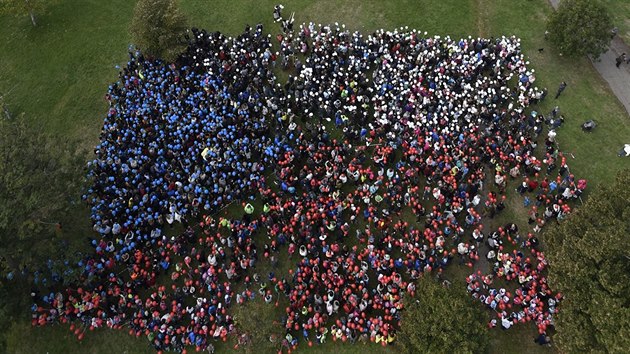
590 264
158 29
37 178
22 7
257 331
580 27
442 320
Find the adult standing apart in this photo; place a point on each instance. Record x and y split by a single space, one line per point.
563 85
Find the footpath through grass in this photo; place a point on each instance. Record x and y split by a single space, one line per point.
58 73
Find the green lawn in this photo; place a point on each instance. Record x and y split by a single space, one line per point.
620 12
58 72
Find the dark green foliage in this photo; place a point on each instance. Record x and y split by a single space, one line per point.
580 27
158 28
442 320
37 181
590 264
258 332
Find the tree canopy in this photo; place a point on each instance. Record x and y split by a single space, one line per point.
442 320
158 29
37 178
257 332
590 264
580 27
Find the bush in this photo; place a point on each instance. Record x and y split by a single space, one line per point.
158 29
580 27
590 264
442 320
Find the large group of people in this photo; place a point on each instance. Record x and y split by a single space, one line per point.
180 140
376 163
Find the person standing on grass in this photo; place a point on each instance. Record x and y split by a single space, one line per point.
542 339
561 88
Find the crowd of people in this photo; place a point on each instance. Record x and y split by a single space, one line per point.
376 163
180 140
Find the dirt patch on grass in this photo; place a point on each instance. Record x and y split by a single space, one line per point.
482 11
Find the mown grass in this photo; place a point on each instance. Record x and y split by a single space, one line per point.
58 72
620 10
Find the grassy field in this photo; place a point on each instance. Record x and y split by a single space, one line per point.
58 72
619 10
